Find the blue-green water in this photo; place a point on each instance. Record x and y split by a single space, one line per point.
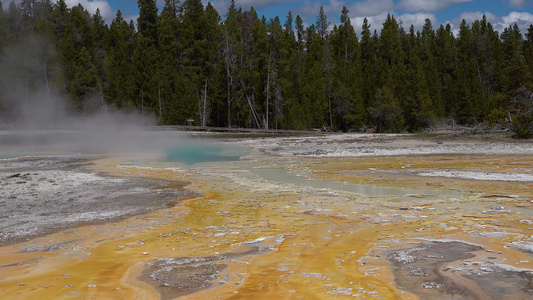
285 176
193 153
12 155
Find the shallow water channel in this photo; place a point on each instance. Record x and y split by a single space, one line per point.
289 177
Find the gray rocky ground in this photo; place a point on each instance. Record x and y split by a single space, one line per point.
42 194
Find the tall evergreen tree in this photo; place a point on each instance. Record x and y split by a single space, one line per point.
146 58
213 88
289 24
515 72
528 48
445 55
120 88
427 52
231 36
368 66
3 28
348 110
468 107
171 80
322 23
15 22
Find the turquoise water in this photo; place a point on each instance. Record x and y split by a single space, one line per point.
203 152
285 176
11 155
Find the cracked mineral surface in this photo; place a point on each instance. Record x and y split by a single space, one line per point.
317 217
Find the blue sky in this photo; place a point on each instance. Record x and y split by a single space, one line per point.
500 13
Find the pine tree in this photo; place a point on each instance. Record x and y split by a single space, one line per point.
390 43
288 24
468 107
3 28
84 83
120 89
486 55
423 110
368 66
445 54
288 64
147 21
231 37
193 43
528 48
248 71
386 111
15 22
294 76
515 73
315 102
146 58
428 50
171 82
213 76
349 109
100 32
322 24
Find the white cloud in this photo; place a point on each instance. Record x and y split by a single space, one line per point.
5 3
364 8
129 18
335 6
222 6
371 7
427 5
470 17
375 22
256 3
522 19
417 20
105 9
516 3
405 20
310 8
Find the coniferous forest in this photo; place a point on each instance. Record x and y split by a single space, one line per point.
186 61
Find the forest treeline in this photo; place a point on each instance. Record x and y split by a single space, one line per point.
188 62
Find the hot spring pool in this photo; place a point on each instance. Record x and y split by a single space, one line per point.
203 152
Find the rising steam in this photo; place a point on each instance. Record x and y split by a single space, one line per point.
35 116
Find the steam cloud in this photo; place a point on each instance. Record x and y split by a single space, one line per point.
34 116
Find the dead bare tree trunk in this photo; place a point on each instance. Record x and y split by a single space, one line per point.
46 77
252 108
27 102
326 68
278 106
227 54
329 102
159 95
204 111
268 90
142 103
